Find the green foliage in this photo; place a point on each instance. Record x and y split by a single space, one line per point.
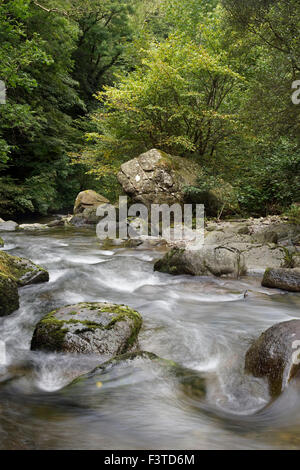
218 196
46 48
176 100
293 214
210 80
271 179
105 32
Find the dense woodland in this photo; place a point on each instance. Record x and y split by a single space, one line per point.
93 83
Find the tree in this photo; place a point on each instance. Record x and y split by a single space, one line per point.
35 124
105 32
177 100
275 23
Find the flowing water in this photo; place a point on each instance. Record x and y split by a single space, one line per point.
201 323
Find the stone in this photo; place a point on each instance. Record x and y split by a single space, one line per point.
89 328
9 226
275 355
87 199
190 382
218 261
9 297
21 270
282 278
57 223
85 208
157 178
32 227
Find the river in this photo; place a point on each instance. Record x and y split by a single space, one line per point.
205 324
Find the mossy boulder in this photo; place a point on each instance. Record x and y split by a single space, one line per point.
9 297
282 278
275 355
21 270
1 242
89 328
158 178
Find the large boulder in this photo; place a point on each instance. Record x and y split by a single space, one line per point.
282 278
85 208
275 355
89 328
218 261
9 297
157 178
21 270
87 199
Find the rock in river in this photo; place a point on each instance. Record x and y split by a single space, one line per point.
16 272
88 328
282 278
190 382
275 355
9 297
9 226
21 270
218 261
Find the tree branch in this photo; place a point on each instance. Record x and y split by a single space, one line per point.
53 10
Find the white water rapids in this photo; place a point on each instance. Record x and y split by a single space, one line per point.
204 324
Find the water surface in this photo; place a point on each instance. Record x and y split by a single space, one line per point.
202 323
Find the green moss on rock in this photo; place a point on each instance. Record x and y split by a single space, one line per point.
21 270
172 263
9 297
88 328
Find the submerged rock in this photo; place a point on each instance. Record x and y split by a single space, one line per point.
284 278
21 270
276 355
88 328
9 297
218 261
191 382
157 178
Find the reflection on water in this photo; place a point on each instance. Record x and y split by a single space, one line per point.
201 323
